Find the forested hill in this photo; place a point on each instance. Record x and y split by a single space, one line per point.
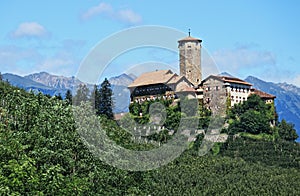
42 154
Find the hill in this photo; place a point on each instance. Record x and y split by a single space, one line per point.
43 154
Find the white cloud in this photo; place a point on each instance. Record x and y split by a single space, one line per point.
13 59
126 16
63 60
248 60
58 64
129 16
102 8
29 29
236 59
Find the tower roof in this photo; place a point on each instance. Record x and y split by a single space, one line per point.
189 38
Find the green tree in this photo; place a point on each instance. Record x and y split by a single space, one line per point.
82 95
105 100
69 96
95 99
252 116
254 102
58 96
254 122
286 131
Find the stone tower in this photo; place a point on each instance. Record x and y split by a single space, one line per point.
190 59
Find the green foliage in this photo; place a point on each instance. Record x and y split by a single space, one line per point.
82 95
252 116
59 97
69 97
103 100
278 153
286 131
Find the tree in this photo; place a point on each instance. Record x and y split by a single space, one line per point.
256 103
286 131
82 94
58 97
105 100
95 99
69 96
254 122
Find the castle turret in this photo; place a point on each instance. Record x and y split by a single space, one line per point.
190 59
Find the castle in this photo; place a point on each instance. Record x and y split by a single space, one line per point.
164 84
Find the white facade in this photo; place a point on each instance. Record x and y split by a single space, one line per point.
238 92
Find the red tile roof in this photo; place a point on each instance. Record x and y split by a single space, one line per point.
263 95
233 80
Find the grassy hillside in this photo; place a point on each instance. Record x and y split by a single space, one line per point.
42 154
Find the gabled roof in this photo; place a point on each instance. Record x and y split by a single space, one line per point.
263 95
154 77
229 80
189 38
175 79
185 88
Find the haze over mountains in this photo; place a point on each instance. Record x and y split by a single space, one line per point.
287 100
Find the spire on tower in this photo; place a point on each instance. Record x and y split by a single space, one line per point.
189 32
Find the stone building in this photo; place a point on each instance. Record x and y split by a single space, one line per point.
234 89
190 59
213 90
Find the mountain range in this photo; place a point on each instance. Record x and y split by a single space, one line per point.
54 85
287 100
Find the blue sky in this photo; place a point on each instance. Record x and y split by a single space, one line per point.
259 38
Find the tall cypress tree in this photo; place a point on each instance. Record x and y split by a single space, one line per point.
95 98
105 99
69 96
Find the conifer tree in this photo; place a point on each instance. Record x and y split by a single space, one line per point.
69 96
105 99
58 96
82 95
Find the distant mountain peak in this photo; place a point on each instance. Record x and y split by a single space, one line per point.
54 81
121 80
226 74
